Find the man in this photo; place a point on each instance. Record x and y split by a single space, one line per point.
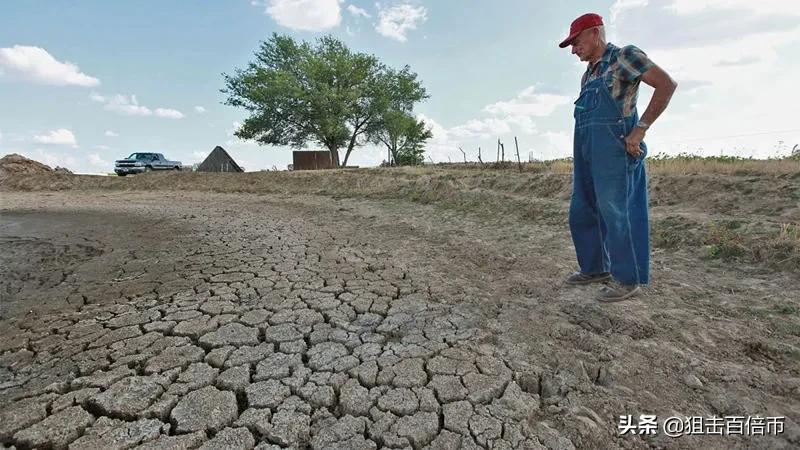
608 211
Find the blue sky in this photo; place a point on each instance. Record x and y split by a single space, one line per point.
85 82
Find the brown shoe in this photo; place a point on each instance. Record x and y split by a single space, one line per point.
617 292
578 278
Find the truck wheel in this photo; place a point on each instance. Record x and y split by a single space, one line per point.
122 174
177 168
148 169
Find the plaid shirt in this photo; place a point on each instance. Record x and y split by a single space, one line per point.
625 68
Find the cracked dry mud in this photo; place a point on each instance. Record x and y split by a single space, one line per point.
196 320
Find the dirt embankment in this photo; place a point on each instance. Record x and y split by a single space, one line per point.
749 214
21 166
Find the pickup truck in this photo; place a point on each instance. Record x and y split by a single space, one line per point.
144 162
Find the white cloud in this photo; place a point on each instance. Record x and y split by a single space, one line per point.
235 141
481 128
304 15
199 156
168 113
560 144
505 119
528 103
720 52
741 61
524 124
518 113
234 127
36 65
52 159
657 24
61 136
199 109
101 147
442 145
110 133
96 161
446 144
397 21
621 6
128 105
763 6
357 12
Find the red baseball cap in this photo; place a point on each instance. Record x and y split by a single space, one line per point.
583 22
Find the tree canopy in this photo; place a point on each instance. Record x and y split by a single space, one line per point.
299 93
403 135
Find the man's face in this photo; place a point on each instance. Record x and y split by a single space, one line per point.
585 44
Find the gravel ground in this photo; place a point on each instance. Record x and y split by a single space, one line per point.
188 319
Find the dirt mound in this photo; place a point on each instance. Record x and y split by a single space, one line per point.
18 164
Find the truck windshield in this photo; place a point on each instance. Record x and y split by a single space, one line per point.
141 156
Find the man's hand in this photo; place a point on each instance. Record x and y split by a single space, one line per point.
633 140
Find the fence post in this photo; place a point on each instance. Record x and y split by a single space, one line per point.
479 156
465 155
518 160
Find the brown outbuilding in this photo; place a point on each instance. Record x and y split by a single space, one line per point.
311 160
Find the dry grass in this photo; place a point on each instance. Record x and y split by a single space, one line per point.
781 249
724 165
774 245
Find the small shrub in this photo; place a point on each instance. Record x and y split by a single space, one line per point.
724 243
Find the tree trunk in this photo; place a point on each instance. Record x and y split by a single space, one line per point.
347 156
358 129
334 157
350 147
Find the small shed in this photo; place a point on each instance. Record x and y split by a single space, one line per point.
311 160
219 161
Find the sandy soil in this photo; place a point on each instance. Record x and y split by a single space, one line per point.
320 322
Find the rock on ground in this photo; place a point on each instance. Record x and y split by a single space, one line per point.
205 409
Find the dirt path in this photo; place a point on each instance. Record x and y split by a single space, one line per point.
307 321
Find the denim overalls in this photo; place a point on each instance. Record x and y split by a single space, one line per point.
608 211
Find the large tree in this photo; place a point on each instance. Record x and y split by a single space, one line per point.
298 93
